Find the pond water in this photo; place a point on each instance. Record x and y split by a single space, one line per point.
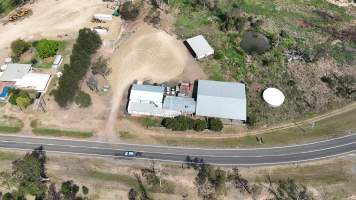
255 43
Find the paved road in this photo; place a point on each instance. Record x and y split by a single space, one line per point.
236 157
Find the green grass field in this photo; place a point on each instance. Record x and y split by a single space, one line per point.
7 155
61 133
12 126
328 128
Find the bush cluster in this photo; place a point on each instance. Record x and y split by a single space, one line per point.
130 11
88 43
47 48
83 99
19 47
20 98
183 123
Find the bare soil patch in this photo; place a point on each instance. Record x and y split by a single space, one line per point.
50 19
148 54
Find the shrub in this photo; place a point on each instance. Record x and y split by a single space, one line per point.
200 125
19 47
129 11
14 94
83 99
47 48
20 98
179 123
215 124
85 190
183 123
150 122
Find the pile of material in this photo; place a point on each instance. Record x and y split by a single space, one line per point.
19 13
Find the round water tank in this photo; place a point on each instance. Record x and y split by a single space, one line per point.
273 97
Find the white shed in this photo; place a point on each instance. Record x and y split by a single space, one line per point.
57 61
200 47
103 17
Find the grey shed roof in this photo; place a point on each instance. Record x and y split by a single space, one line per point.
147 93
221 99
15 71
148 88
181 104
200 46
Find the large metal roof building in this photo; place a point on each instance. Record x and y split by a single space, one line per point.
221 100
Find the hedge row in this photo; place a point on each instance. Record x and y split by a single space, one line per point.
88 43
183 123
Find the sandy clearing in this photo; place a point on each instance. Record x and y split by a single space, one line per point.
149 54
50 18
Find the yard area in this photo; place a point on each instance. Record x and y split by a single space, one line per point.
310 58
112 178
331 127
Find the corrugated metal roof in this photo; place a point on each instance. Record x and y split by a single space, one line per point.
150 109
221 99
181 104
200 46
147 93
15 71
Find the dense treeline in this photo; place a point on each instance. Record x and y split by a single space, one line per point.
88 43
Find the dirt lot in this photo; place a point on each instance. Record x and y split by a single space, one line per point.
148 54
50 19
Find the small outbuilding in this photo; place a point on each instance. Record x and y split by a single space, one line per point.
199 47
226 100
57 62
103 17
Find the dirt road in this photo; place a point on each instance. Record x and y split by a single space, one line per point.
50 18
148 54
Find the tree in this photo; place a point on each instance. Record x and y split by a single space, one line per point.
238 181
200 125
19 47
101 67
23 101
132 195
85 190
215 124
288 190
211 182
52 193
28 174
69 189
129 11
6 179
83 99
142 190
88 42
151 175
